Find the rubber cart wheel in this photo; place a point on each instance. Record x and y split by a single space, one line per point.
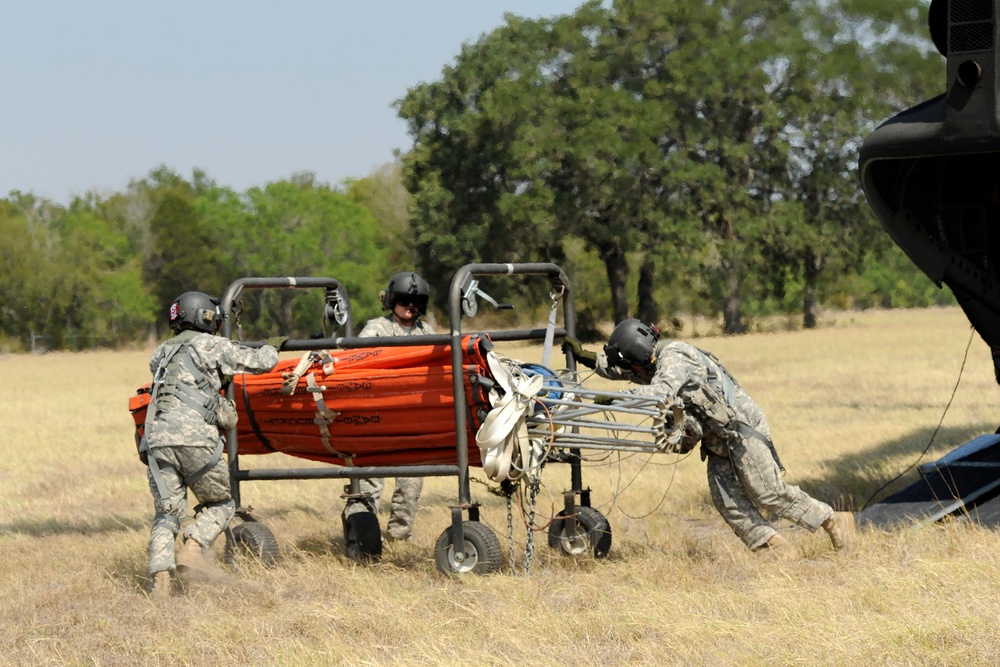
362 537
592 533
483 553
254 539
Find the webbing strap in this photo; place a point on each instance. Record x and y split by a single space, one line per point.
161 487
504 445
205 407
550 330
185 396
748 431
216 455
729 385
199 398
154 469
324 417
728 382
289 381
157 383
253 420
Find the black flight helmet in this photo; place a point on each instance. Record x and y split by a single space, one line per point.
407 287
195 310
633 343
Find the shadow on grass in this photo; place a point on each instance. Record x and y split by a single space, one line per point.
96 526
283 511
856 480
331 544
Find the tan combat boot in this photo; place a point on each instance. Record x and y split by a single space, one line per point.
191 559
161 586
840 526
782 549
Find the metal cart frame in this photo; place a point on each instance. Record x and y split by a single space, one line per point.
466 545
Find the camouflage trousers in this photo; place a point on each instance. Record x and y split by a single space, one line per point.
405 498
747 482
211 489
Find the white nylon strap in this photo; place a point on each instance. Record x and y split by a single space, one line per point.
550 331
504 446
289 381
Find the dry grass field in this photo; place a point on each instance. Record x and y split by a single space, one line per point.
852 405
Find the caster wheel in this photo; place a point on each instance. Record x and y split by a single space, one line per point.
252 539
591 534
482 552
362 537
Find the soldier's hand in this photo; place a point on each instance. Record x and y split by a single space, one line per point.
573 345
604 400
583 357
277 341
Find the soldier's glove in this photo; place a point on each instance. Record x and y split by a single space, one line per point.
584 358
692 433
277 341
604 400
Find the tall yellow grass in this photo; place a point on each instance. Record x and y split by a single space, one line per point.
852 406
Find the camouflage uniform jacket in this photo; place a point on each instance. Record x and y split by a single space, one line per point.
388 326
217 359
714 403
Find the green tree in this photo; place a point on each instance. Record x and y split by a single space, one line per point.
663 133
300 227
383 194
848 65
532 137
100 277
26 269
70 277
185 256
463 162
169 237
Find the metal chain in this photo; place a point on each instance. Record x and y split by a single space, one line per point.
529 547
510 531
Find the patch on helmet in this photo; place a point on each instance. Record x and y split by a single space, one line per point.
175 309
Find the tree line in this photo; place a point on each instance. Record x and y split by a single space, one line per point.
103 270
703 152
675 158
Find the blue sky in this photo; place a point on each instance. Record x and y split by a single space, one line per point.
96 93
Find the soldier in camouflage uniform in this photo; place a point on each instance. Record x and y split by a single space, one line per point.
744 472
182 440
406 298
